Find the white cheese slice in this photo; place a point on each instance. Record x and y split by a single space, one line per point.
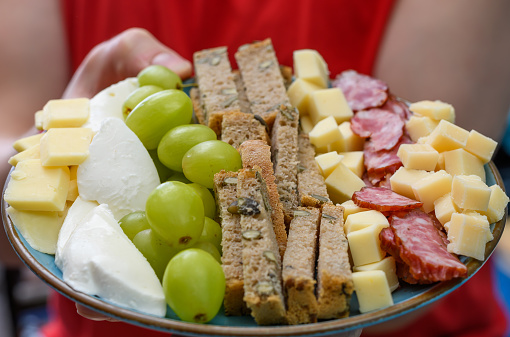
76 213
119 171
100 260
108 103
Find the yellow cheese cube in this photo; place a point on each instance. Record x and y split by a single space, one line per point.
65 113
470 192
65 146
481 146
354 161
40 229
327 162
306 124
388 266
309 65
73 172
342 183
468 233
418 156
329 102
434 109
432 187
324 132
447 136
72 193
444 207
31 153
352 142
299 94
350 208
420 126
497 204
401 181
27 142
38 120
372 290
33 187
365 245
460 162
361 220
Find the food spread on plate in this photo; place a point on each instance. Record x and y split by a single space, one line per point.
287 197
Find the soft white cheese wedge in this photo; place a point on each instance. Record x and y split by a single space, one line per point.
119 171
100 260
108 103
75 215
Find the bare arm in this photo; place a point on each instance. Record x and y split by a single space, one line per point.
455 51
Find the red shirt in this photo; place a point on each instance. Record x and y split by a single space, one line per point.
346 33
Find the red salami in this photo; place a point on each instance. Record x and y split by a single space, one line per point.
383 200
398 107
422 248
361 91
384 128
382 161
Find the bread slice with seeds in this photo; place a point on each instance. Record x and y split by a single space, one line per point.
311 187
334 276
284 155
256 153
262 78
225 191
298 271
238 127
194 94
217 87
261 259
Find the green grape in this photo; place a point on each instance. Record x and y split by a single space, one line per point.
176 212
207 198
176 142
204 160
210 248
211 233
160 76
157 252
157 114
194 285
163 172
137 96
133 223
178 176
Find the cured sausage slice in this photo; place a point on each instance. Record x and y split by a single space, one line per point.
383 200
423 249
398 107
384 128
361 91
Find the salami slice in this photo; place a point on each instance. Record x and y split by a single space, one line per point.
383 200
380 162
384 128
398 107
361 91
422 248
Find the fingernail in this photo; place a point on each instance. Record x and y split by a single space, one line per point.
174 62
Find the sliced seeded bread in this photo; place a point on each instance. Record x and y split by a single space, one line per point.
225 191
262 78
298 271
261 259
257 153
238 127
218 93
334 276
284 155
312 189
244 103
194 94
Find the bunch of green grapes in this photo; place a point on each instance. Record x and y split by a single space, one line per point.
176 232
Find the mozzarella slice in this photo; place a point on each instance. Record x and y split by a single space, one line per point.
119 171
108 103
76 213
100 260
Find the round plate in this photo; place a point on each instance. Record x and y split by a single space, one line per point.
407 298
